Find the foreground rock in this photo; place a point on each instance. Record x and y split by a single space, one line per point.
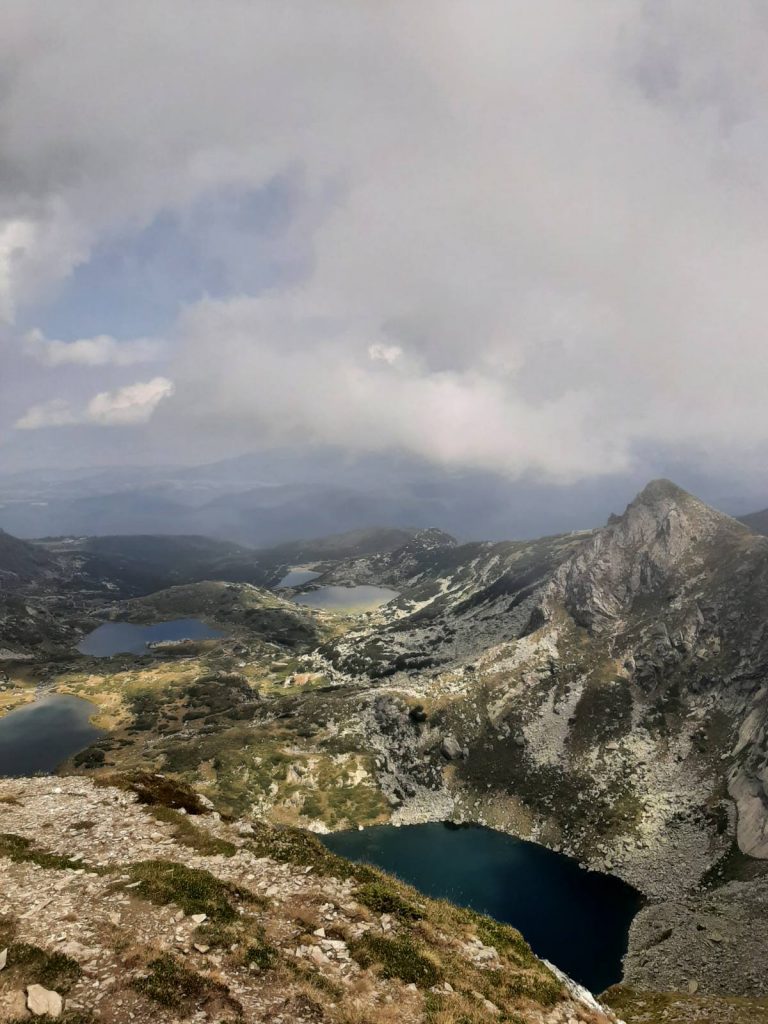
43 1002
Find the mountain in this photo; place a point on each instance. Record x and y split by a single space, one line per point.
20 561
339 546
601 692
139 564
271 497
635 651
756 521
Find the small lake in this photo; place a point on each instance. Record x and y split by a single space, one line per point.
297 577
39 737
577 919
346 599
128 638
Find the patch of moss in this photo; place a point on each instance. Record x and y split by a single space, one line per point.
154 789
381 896
33 965
68 1017
260 954
190 835
304 849
171 984
195 890
20 850
8 929
397 958
537 984
213 933
504 938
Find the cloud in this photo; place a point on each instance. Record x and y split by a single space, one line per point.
535 233
127 406
384 353
102 350
56 413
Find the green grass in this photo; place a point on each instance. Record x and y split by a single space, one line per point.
260 954
381 896
397 958
304 849
170 984
154 790
22 850
194 890
190 835
31 965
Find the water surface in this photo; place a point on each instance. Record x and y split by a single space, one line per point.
39 737
577 919
129 638
346 599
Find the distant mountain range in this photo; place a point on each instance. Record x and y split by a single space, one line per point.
267 499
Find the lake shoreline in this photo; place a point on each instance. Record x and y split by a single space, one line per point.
517 881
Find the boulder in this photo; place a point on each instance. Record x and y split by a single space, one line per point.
450 748
43 1001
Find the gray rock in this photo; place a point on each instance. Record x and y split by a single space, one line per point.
43 1001
450 748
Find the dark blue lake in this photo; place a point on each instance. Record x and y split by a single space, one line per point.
128 638
38 737
577 919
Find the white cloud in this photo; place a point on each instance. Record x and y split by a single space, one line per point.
126 406
548 218
132 404
56 413
103 350
384 353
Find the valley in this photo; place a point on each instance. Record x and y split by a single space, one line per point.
602 693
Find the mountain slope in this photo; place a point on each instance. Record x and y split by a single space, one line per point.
597 682
21 561
601 692
756 521
139 912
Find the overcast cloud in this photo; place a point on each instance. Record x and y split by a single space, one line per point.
530 238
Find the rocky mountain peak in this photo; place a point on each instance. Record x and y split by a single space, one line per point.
662 490
663 533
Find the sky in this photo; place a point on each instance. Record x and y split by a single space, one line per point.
525 239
